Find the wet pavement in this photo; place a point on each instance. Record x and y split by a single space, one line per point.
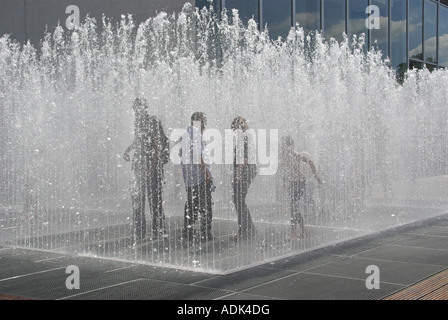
398 259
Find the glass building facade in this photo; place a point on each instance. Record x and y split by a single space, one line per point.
412 33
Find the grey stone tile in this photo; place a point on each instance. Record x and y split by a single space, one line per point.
317 287
20 254
244 279
148 289
163 274
52 285
18 268
407 254
426 241
401 273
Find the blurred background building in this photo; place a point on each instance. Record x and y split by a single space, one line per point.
412 33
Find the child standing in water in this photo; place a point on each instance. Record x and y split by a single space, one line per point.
294 180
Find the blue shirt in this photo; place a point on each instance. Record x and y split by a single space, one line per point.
192 150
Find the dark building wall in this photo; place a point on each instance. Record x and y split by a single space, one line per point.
29 19
12 18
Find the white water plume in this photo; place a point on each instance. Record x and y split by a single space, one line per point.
66 117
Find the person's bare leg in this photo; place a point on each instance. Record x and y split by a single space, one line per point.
304 233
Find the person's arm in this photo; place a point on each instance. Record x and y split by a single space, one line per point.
312 166
126 152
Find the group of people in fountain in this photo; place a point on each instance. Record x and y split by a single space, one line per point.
151 152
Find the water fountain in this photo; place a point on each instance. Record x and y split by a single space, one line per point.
66 118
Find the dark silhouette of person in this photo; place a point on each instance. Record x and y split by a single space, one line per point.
244 173
151 153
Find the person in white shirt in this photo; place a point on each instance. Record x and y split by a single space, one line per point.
198 180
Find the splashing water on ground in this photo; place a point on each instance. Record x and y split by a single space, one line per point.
66 117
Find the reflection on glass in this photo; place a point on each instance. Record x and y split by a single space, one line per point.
357 19
430 48
415 65
247 9
415 29
206 3
277 17
334 19
380 37
431 67
398 34
443 36
308 15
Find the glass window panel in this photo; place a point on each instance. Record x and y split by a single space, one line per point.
431 67
357 18
380 37
334 19
277 18
206 3
430 48
443 36
415 65
445 2
415 29
308 15
398 34
247 9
